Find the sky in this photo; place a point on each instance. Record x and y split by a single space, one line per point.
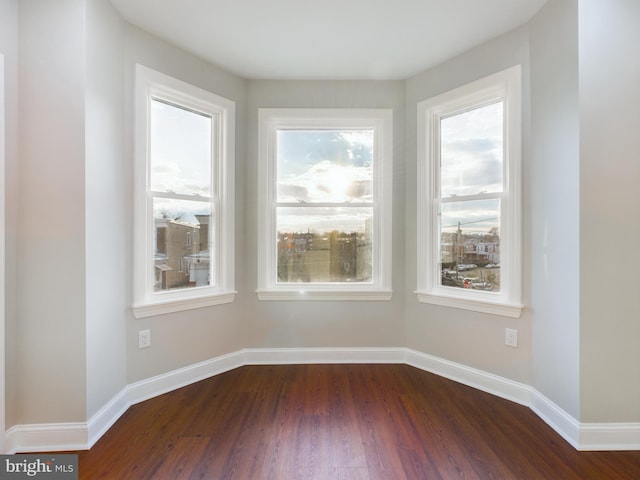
471 151
181 146
331 166
471 164
320 167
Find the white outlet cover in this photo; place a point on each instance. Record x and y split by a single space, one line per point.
144 338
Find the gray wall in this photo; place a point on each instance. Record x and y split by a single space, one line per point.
469 338
610 210
50 375
322 324
553 173
9 49
107 201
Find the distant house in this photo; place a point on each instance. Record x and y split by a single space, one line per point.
481 252
181 256
461 248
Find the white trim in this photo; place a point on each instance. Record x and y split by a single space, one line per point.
472 377
484 306
287 356
79 436
586 436
153 309
47 437
104 419
564 424
609 436
152 387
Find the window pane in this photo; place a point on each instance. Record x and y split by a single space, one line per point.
325 165
470 244
180 149
472 152
324 244
182 242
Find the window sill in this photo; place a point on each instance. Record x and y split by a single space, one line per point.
172 306
325 295
494 308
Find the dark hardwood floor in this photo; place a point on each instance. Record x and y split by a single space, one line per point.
339 422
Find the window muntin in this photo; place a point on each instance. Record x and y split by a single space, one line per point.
469 196
326 197
184 196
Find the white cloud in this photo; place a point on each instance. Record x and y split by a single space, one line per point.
472 152
327 182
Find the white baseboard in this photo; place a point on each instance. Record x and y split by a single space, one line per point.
609 436
487 382
81 436
275 356
104 419
152 387
46 437
564 424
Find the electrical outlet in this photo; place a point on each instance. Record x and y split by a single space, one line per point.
144 338
511 337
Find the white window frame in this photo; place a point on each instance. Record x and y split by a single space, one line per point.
503 86
270 121
152 84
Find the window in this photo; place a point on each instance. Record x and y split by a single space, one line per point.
469 207
325 196
184 196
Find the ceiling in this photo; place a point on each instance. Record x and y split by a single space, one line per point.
327 39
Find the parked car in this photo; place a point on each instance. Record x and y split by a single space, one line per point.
481 285
466 266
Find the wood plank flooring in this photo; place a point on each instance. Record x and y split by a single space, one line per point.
339 422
